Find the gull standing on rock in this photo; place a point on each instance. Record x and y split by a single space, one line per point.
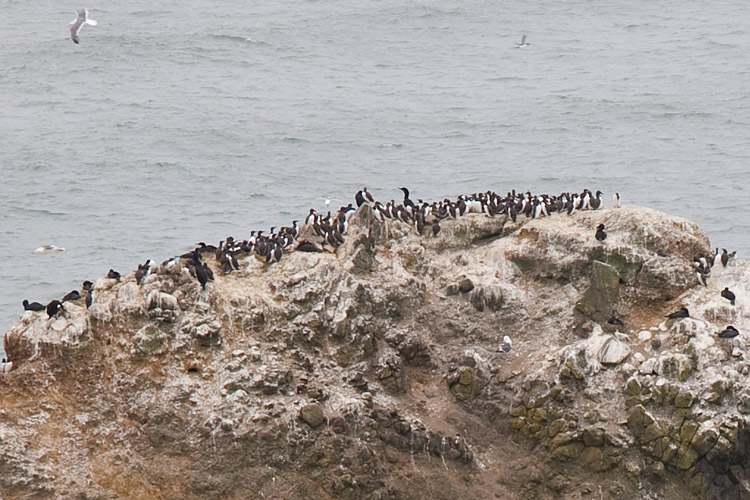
505 345
82 19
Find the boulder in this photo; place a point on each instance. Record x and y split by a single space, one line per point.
312 415
613 352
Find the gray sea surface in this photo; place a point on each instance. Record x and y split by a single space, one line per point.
178 122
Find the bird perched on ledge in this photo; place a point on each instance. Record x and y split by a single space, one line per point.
73 295
682 312
616 200
143 271
729 295
6 366
505 346
729 332
33 306
615 321
54 307
600 234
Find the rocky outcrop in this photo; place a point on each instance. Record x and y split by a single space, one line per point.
373 372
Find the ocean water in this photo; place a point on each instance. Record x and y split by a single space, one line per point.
188 121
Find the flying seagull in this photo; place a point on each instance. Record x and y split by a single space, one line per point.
523 42
82 18
48 249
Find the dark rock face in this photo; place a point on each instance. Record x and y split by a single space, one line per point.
373 372
601 296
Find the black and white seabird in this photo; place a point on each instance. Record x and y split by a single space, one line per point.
359 198
419 225
596 201
716 258
600 234
363 197
310 217
407 201
171 262
113 275
616 200
729 295
33 306
143 271
54 307
505 345
523 42
701 275
680 313
701 263
82 19
724 257
729 332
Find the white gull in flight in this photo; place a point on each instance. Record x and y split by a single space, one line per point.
523 42
48 249
82 19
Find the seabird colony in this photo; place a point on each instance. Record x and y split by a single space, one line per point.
320 233
703 267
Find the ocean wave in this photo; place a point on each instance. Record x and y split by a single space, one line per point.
35 211
239 38
295 140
